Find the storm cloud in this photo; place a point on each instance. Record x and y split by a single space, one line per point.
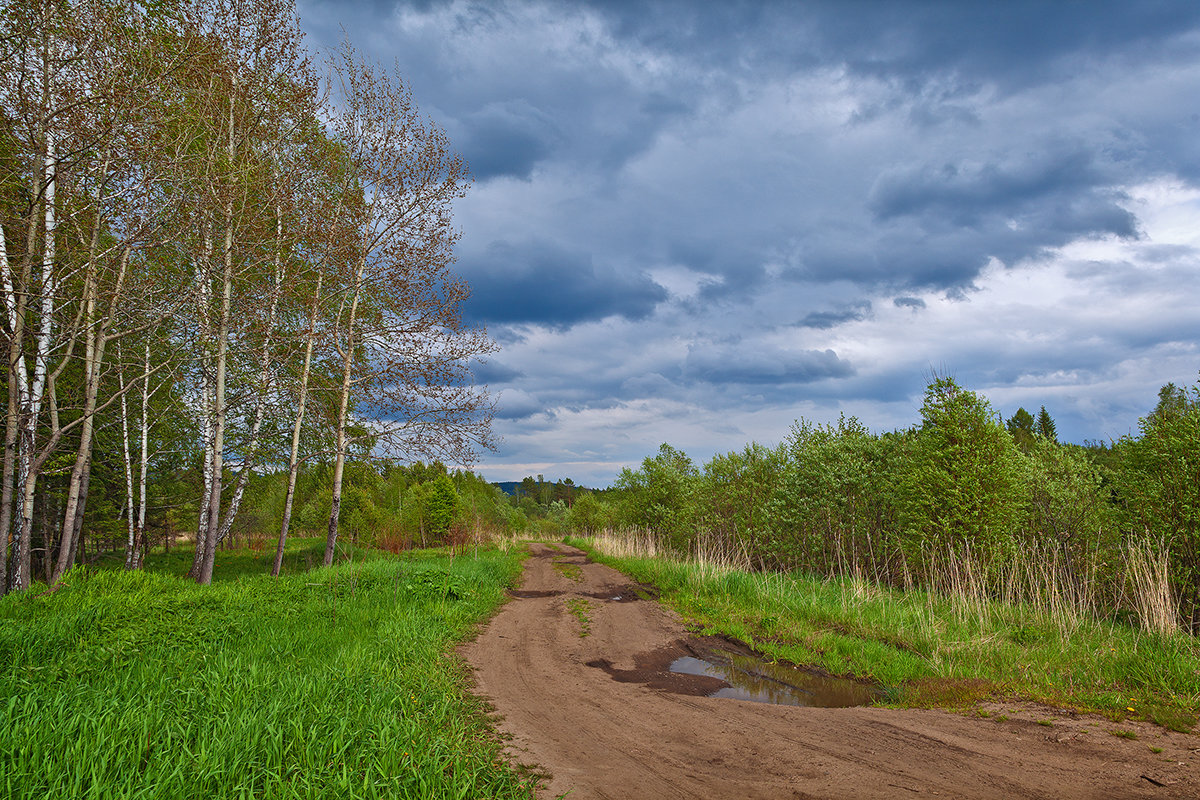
695 223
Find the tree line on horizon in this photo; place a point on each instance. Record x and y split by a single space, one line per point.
217 260
1115 526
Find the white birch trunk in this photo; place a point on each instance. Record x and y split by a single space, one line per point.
97 340
27 475
218 411
143 457
131 539
294 458
16 390
219 404
339 465
204 298
264 382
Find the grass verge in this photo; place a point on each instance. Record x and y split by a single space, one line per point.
929 650
337 683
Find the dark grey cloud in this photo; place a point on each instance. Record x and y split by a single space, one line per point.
963 194
492 371
728 363
828 319
506 139
540 282
515 404
1011 44
915 303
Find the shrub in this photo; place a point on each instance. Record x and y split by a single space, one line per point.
1160 486
963 485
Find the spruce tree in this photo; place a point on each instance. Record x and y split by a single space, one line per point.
1045 426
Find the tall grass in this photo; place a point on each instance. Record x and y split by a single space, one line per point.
1039 639
1149 586
335 683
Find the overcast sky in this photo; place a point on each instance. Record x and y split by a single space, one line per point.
697 222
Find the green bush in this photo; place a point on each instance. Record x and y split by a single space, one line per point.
833 504
588 515
1159 484
737 489
441 506
963 485
661 496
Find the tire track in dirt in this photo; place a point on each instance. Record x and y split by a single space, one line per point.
599 737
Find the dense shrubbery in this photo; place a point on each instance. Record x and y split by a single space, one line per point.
390 506
961 491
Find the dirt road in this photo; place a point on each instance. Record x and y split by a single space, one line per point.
602 715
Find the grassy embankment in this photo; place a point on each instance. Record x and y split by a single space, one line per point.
332 683
927 649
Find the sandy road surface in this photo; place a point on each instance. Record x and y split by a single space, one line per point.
580 709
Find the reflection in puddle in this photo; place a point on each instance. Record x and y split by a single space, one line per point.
751 678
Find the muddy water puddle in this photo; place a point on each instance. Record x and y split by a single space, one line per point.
755 679
715 667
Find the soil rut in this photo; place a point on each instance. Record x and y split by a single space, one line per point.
601 716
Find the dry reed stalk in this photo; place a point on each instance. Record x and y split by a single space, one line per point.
1148 573
627 544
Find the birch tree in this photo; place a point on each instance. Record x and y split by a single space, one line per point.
82 79
256 83
404 355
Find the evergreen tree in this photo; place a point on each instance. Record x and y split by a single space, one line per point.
1045 426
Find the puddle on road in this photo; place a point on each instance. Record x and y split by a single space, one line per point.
627 593
717 667
752 678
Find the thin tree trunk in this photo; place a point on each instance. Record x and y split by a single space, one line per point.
77 524
219 410
219 406
140 544
14 308
219 401
204 298
264 381
294 458
29 469
343 407
131 539
94 360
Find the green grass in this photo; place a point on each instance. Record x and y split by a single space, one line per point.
581 610
340 682
302 554
928 650
572 572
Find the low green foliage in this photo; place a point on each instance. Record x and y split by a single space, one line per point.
933 650
581 609
572 572
337 683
